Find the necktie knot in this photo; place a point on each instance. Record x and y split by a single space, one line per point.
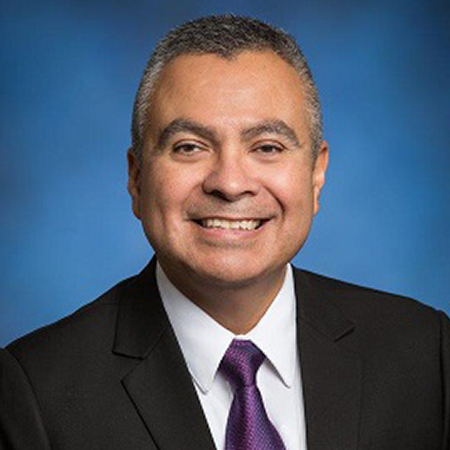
241 363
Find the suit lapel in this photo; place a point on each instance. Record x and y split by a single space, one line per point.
331 372
160 386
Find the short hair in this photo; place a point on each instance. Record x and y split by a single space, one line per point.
225 36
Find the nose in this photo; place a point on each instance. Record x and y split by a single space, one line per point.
231 177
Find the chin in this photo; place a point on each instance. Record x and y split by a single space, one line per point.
231 273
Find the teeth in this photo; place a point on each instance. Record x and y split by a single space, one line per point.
231 224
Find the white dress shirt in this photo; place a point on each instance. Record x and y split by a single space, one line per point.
204 342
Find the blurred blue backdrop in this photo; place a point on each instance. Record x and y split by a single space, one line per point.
68 78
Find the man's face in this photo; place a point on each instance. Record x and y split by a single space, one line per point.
227 186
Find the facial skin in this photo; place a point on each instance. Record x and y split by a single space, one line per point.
227 146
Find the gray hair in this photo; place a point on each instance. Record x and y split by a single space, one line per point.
225 36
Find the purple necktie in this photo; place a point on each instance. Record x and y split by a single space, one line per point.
248 426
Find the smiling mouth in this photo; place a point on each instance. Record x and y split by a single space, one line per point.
225 224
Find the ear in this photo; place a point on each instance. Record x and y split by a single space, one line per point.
134 182
319 171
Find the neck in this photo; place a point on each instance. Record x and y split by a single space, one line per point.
238 308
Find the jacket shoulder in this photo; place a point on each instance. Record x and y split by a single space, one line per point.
350 296
375 314
90 325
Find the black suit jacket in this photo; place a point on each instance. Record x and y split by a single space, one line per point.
375 372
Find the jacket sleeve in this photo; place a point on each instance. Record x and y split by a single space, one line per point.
21 426
445 354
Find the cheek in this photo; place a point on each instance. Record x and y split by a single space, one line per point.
292 188
166 189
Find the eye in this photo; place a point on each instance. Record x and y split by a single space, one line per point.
187 149
270 149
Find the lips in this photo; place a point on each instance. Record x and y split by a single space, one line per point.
228 224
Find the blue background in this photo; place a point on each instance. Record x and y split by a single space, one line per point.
68 78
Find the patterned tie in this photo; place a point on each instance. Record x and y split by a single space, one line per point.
248 426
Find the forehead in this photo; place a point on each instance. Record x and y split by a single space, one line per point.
251 87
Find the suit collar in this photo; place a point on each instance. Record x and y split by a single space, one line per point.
141 319
330 368
316 307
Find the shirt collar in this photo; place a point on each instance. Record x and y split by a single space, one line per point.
204 341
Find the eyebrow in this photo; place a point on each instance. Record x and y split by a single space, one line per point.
278 127
185 125
180 125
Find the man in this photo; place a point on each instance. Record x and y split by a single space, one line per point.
219 342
